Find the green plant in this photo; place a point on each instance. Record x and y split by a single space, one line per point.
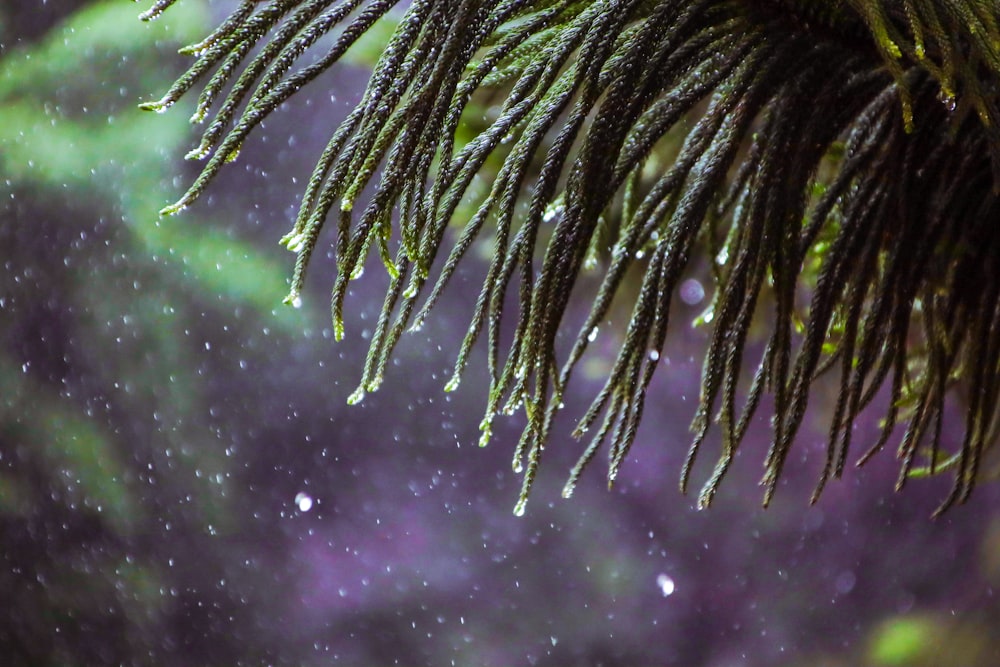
840 159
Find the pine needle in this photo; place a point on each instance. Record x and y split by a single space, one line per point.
896 99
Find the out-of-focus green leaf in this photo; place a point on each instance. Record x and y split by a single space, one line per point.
84 458
41 146
120 156
902 641
371 45
101 27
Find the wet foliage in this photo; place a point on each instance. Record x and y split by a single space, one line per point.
182 483
839 163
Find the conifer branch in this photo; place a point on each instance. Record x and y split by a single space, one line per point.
895 239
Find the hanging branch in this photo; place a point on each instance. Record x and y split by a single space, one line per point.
896 238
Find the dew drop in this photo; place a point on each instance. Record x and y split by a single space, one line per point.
519 507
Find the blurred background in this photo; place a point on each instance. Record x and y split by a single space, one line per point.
183 484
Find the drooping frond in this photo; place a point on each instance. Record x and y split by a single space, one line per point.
895 239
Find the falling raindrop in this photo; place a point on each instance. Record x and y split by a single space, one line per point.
665 584
303 501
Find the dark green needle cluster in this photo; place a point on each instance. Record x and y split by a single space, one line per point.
838 162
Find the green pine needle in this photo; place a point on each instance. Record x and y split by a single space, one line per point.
845 147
